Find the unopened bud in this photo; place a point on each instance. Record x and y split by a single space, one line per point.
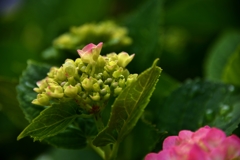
111 66
96 87
124 59
117 91
114 84
55 91
87 84
112 56
83 76
131 78
52 72
79 63
60 76
42 100
106 97
103 91
105 75
41 85
117 73
108 81
71 91
101 61
69 68
95 96
100 82
121 83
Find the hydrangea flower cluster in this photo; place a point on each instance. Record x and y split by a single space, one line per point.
106 31
204 144
90 80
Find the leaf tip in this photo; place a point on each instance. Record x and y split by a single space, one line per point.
19 137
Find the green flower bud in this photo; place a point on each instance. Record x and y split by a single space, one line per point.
95 96
100 82
117 91
72 81
98 76
124 59
60 76
96 87
121 83
103 91
125 73
83 69
79 63
112 56
41 86
114 84
54 91
107 88
107 96
87 84
101 62
108 81
131 78
42 100
111 66
83 76
52 72
71 91
51 80
88 100
117 73
105 75
69 68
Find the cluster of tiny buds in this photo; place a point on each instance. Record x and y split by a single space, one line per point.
90 80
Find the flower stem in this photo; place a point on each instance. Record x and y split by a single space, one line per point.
100 126
113 155
98 150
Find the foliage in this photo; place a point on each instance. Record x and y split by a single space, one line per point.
198 47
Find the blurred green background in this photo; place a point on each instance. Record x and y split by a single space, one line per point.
180 32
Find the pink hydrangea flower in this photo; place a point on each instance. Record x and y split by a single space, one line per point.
205 144
90 52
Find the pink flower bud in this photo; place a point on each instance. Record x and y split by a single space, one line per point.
90 52
204 144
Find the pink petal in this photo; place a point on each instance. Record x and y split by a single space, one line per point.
88 47
213 138
151 156
232 146
200 133
196 153
100 45
170 142
185 135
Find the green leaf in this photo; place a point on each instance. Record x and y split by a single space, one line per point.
144 28
165 86
220 54
33 73
128 107
71 138
144 135
231 73
197 103
8 102
51 121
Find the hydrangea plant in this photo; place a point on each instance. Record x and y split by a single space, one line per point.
78 91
